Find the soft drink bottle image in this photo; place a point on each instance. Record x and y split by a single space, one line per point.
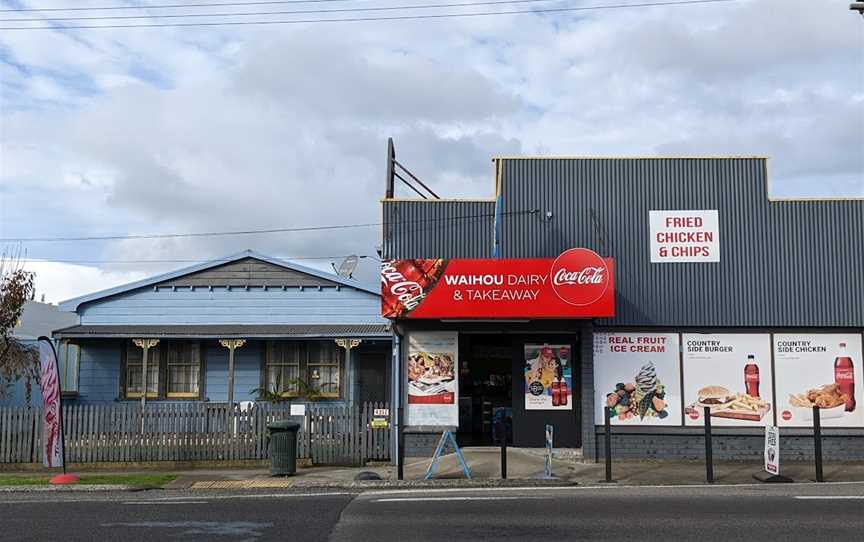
751 377
844 376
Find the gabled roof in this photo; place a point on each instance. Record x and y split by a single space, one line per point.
73 304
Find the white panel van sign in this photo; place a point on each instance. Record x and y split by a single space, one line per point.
685 236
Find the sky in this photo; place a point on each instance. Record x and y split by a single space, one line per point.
171 130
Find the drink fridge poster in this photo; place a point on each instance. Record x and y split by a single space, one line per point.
731 375
638 376
822 370
548 377
433 387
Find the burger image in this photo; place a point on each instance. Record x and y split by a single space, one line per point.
715 397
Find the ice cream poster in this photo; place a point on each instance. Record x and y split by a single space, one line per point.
731 375
548 377
823 370
433 386
637 375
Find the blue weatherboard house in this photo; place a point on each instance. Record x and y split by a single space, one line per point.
248 319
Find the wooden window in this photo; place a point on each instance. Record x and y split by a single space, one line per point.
317 363
134 362
324 368
183 369
70 357
282 367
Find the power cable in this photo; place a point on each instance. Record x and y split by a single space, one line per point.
243 232
293 12
170 6
369 19
51 260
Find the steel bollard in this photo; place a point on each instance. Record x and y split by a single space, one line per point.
817 442
709 448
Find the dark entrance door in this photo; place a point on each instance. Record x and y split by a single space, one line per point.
529 424
372 376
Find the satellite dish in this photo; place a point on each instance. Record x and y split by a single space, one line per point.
347 267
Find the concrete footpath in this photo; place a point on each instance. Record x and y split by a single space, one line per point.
524 467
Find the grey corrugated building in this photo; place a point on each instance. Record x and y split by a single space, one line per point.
787 269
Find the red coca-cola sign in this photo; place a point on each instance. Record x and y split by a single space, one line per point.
577 284
580 276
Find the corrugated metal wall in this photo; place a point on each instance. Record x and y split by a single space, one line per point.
783 263
438 228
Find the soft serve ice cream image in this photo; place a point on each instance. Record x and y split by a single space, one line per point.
642 398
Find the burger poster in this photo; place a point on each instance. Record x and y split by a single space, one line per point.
637 375
548 377
731 375
819 370
432 384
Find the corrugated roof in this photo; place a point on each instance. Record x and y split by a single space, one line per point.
225 331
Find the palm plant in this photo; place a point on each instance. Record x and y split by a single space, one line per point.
275 393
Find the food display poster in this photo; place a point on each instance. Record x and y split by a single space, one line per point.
730 374
548 377
433 388
819 370
638 376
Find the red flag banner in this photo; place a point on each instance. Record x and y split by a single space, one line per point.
49 382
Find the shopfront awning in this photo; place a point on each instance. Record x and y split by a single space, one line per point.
224 331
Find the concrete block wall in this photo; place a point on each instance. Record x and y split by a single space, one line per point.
422 444
796 447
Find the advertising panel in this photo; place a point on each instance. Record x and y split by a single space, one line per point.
730 374
548 377
638 375
433 387
576 284
684 236
821 370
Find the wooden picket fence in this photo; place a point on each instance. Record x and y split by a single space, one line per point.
329 435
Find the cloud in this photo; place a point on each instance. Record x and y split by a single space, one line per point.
60 281
178 130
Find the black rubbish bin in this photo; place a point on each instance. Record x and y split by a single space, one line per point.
282 447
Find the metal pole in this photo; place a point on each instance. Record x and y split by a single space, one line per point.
400 451
502 437
607 422
817 442
709 448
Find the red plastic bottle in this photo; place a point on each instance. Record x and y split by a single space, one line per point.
844 376
556 393
564 393
751 377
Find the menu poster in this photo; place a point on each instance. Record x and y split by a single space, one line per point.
638 376
432 382
548 377
730 374
819 369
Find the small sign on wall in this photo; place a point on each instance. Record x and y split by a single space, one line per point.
685 236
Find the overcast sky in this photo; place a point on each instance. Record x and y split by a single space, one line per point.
156 130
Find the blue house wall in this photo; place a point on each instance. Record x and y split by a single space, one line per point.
165 306
247 371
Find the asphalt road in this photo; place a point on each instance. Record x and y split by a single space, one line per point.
745 513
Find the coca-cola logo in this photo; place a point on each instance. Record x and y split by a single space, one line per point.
579 276
844 375
786 415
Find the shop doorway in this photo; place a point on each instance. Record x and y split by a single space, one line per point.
485 389
495 375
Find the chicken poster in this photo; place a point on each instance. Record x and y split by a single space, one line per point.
819 370
433 387
548 377
731 375
638 376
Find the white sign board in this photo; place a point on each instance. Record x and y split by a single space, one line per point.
298 410
638 376
432 384
819 370
731 375
772 450
684 236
